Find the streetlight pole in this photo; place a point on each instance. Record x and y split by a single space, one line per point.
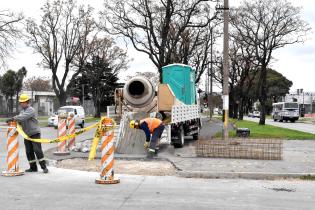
226 69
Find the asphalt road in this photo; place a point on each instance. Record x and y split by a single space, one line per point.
69 189
309 128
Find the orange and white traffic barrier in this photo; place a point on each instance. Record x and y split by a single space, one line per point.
12 152
71 130
62 131
107 149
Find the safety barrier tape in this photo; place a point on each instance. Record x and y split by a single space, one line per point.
66 137
109 125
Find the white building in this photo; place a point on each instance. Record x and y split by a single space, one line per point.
305 99
43 102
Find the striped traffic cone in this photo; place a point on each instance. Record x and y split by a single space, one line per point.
13 152
107 160
62 131
71 130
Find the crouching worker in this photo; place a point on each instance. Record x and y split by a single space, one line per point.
29 123
150 126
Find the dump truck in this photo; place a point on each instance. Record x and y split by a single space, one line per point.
175 99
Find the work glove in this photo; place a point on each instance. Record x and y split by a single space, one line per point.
146 144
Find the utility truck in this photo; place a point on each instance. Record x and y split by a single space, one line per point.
175 99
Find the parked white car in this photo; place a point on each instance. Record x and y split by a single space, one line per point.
52 119
256 114
78 111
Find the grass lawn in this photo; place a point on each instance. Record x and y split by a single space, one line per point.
268 131
92 119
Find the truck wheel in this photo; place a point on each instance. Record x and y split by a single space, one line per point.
292 121
179 143
196 136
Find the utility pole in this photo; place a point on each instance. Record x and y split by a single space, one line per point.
226 70
211 73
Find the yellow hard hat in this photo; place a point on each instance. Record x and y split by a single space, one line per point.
134 123
24 98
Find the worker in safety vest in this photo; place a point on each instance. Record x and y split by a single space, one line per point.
150 126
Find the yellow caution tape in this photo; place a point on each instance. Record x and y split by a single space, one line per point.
96 139
56 140
109 125
98 135
61 138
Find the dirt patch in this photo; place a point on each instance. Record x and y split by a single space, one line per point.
135 167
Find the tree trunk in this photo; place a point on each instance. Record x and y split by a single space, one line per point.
97 106
241 109
263 94
62 97
11 105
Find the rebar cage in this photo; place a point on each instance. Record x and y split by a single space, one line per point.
263 149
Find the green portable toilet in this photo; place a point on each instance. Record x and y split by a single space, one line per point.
181 79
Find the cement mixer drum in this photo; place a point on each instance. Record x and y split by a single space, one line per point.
138 92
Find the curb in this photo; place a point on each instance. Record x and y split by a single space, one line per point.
199 174
244 175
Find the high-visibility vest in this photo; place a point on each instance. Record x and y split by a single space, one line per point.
153 123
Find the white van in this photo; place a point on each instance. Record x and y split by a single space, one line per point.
78 111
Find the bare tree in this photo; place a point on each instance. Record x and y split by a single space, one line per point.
100 72
37 84
158 28
9 33
63 30
268 25
242 74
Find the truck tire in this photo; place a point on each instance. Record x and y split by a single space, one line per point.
179 143
196 136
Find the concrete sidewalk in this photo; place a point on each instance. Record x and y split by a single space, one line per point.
298 162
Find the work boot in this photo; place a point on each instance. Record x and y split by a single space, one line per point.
31 170
150 153
45 170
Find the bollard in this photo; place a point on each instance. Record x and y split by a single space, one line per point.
62 131
107 159
71 130
13 152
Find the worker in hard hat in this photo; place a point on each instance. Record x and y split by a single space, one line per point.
29 123
150 126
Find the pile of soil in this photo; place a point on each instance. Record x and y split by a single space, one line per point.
134 167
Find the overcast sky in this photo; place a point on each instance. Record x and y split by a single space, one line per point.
296 62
